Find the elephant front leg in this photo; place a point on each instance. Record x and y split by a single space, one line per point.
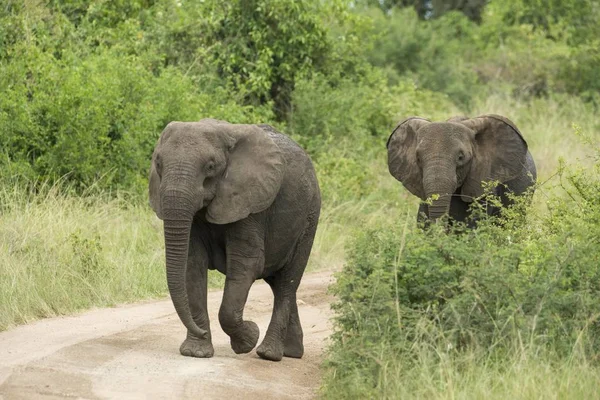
196 283
243 334
245 259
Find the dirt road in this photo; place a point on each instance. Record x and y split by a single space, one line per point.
132 352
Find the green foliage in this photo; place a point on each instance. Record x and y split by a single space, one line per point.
88 85
575 21
96 118
527 285
346 123
269 43
530 48
432 53
557 38
428 9
259 48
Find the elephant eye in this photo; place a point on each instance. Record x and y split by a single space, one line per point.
210 167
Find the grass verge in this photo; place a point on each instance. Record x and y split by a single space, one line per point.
504 311
61 253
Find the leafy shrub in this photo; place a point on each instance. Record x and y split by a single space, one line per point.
344 126
259 47
97 118
88 86
526 283
434 53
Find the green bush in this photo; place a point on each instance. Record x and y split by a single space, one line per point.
88 85
528 283
95 120
436 54
344 126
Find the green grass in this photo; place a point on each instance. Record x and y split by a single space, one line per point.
61 253
525 374
379 352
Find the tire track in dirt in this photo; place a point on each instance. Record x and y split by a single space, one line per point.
132 352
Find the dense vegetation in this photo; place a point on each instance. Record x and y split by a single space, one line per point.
87 86
427 314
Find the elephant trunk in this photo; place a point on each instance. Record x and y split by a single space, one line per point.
439 207
177 225
439 181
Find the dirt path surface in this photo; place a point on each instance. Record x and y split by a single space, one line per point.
132 352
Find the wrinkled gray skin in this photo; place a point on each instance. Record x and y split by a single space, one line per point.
453 158
244 200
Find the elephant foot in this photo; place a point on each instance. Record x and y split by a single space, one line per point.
293 347
246 341
293 350
193 347
270 351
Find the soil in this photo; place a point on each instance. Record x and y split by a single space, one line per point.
132 352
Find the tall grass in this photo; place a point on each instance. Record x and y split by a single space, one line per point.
61 253
505 311
526 373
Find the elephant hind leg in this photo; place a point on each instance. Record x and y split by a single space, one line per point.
272 346
293 342
284 334
293 345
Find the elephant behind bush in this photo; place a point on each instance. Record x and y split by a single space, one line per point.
448 162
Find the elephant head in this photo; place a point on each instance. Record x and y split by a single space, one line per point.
456 156
229 171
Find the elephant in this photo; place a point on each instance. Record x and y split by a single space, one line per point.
242 199
447 162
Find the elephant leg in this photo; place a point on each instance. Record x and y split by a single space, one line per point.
245 257
284 335
293 344
196 283
243 335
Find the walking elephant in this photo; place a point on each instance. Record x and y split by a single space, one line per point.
452 159
244 200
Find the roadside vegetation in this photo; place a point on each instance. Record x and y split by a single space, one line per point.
501 312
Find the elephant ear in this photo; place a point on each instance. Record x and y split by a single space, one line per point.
402 155
499 153
154 179
253 176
